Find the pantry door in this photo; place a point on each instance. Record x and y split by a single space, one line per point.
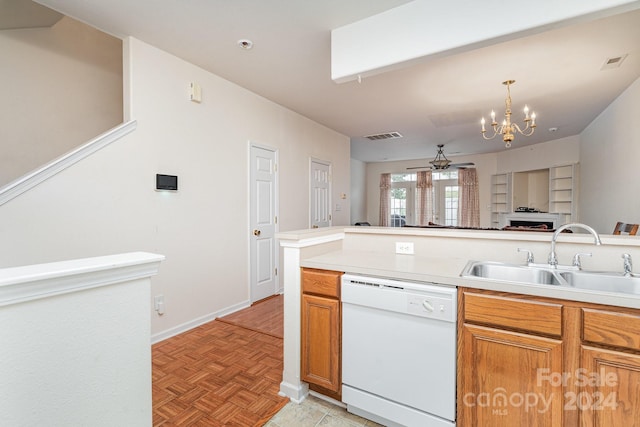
263 222
320 194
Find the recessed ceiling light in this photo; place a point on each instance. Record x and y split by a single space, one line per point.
553 129
245 44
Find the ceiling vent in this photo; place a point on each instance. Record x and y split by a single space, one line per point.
386 135
614 62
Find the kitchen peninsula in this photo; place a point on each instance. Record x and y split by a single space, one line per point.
439 256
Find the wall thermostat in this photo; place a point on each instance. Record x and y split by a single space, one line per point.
166 182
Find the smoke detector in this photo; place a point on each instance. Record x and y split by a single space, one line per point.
245 44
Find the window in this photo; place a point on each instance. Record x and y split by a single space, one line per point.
403 203
451 205
445 186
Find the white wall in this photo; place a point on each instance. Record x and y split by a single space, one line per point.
563 151
107 203
358 191
609 153
61 86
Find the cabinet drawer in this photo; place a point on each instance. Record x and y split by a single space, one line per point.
611 328
520 314
321 282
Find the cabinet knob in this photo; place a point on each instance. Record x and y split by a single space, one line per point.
256 232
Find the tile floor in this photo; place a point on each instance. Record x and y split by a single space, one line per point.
315 412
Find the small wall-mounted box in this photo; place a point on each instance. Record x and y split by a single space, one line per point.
166 182
195 92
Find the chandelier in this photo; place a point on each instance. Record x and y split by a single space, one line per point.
508 129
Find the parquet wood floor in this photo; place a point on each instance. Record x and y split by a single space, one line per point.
218 374
265 316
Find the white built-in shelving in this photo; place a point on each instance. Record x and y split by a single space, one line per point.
562 183
562 191
500 196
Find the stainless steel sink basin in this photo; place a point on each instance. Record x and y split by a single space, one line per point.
561 276
602 281
511 273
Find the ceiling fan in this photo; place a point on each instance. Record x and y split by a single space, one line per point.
441 162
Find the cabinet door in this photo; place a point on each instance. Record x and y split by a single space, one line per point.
502 379
321 341
610 392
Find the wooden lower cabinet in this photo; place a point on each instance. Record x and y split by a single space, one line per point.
502 354
525 361
320 340
321 336
610 391
501 385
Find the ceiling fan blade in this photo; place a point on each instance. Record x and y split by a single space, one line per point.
451 166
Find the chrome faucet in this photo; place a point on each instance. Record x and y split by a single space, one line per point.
628 265
577 263
530 259
553 258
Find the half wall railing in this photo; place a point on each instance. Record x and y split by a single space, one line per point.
37 176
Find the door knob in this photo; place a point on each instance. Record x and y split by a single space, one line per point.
256 232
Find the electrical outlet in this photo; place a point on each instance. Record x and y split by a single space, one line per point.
405 248
158 304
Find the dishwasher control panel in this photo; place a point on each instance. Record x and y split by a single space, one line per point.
431 306
427 300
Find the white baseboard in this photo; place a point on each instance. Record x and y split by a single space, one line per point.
161 336
297 393
234 308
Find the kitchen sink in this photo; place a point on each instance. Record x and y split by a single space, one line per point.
511 273
560 276
602 281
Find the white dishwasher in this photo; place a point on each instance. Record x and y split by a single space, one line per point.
399 351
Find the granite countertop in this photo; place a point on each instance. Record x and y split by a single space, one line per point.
447 271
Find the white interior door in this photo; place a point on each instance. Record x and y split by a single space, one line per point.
263 222
320 191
